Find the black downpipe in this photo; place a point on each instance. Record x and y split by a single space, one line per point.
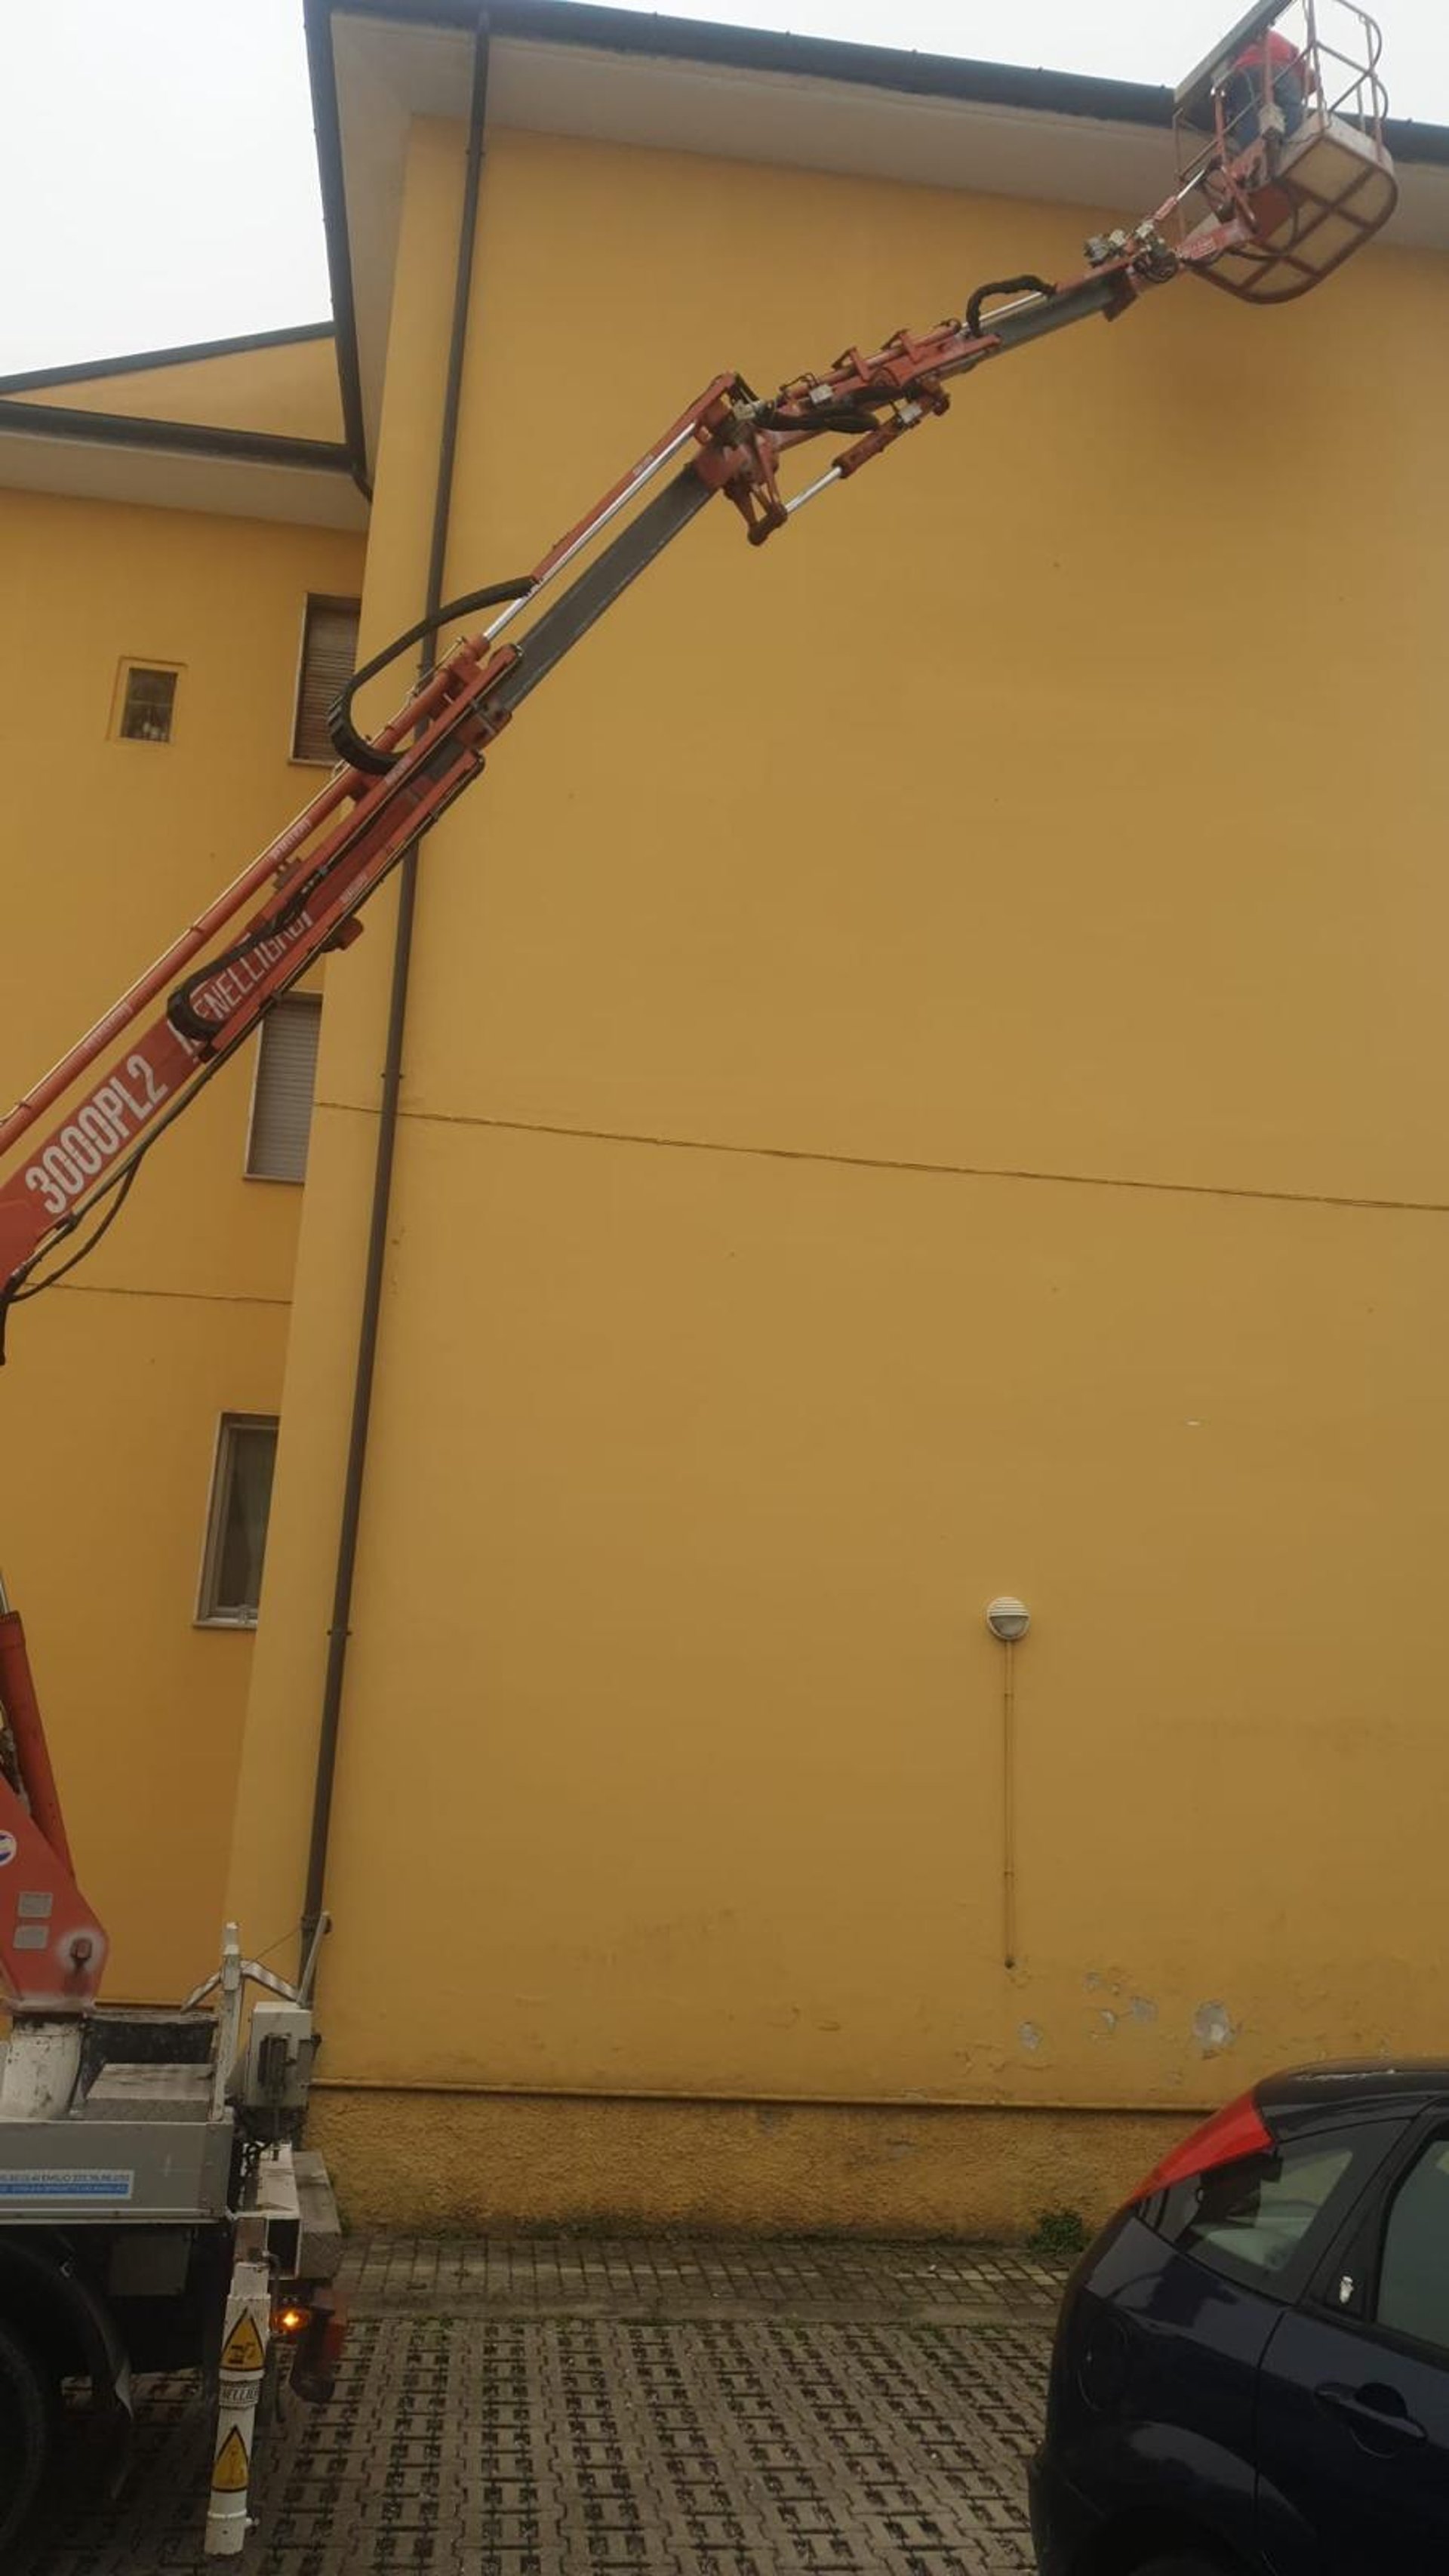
338 1632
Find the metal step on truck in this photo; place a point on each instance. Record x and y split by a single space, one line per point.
157 2211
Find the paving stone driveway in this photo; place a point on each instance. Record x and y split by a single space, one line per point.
572 2408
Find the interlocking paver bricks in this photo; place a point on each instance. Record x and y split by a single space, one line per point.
589 2407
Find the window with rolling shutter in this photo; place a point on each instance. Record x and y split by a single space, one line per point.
282 1097
329 657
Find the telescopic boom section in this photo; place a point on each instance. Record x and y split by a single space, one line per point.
132 1074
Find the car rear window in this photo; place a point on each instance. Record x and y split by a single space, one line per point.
1251 2220
1413 2289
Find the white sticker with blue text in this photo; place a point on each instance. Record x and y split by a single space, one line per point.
53 2183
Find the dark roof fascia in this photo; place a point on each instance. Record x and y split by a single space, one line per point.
36 378
171 437
1409 141
829 57
637 31
322 76
889 67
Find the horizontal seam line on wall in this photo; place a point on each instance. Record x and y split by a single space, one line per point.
894 2103
185 1296
906 1163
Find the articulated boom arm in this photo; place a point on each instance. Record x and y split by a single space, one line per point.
125 1081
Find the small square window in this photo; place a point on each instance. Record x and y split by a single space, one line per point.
148 703
236 1528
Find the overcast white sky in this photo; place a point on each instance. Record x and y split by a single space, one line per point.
157 178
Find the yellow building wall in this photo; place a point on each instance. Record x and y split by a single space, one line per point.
109 1404
924 1078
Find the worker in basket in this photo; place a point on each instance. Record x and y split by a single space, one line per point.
1268 73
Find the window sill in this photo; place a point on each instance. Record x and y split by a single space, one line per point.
241 1620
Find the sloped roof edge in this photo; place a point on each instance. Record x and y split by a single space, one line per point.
137 361
173 437
888 67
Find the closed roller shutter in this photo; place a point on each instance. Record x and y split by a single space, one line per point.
286 1079
329 658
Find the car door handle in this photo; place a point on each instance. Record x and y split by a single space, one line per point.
1373 2414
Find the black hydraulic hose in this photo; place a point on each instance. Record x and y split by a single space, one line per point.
362 754
1002 286
330 1722
350 745
182 1013
118 1191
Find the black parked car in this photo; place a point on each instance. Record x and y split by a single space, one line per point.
1251 2374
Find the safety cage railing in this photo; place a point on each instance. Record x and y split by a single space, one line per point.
1282 126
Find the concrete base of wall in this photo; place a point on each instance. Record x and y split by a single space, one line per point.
445 2161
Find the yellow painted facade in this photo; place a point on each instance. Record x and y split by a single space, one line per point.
907 1097
117 1378
923 1079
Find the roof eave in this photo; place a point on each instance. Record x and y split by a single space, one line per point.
171 437
587 26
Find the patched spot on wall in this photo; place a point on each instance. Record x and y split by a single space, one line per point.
1213 2027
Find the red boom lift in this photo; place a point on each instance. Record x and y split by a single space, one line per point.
1270 199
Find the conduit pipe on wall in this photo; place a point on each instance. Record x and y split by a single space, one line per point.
1008 1620
354 1473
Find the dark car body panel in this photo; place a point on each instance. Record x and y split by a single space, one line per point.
1191 2405
1153 2388
1345 2496
1308 2096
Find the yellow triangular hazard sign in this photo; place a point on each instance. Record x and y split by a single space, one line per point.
243 2349
233 2468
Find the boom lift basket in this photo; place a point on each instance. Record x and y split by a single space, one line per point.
1295 148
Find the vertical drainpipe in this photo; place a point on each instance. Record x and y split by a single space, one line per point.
352 1483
